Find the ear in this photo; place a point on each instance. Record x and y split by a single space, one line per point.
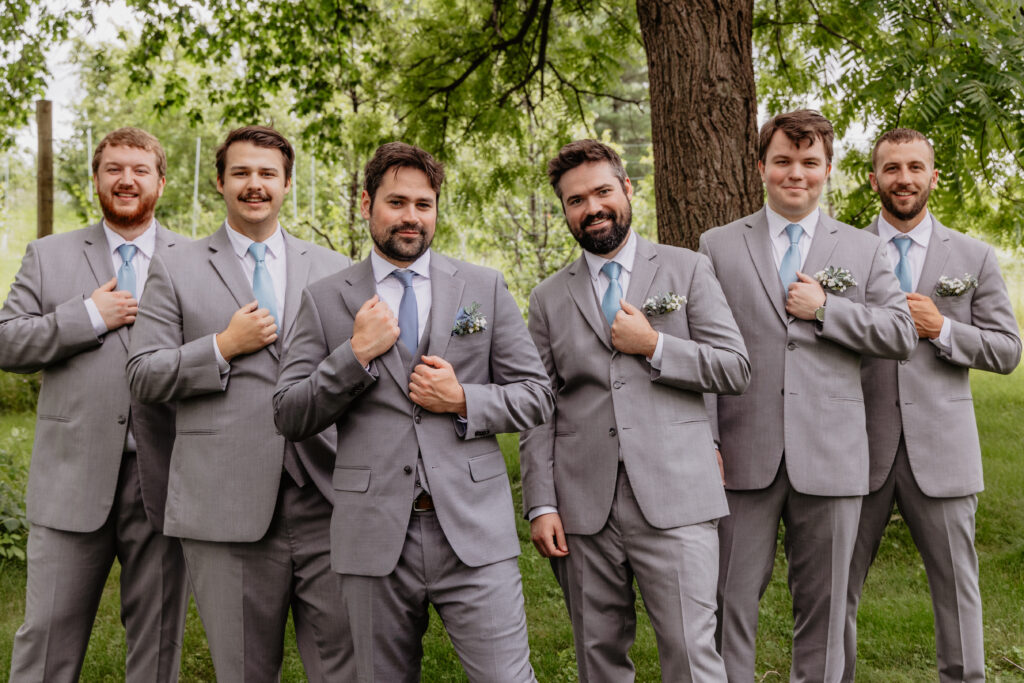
287 186
760 169
160 187
935 179
364 205
873 180
220 186
629 190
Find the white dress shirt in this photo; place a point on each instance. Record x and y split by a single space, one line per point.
145 244
920 238
780 238
277 264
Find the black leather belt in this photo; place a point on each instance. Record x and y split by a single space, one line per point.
423 503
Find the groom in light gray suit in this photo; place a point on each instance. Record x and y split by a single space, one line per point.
98 476
795 444
925 455
422 505
623 481
251 508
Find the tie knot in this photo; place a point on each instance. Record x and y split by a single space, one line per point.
612 270
903 244
127 252
258 251
794 231
402 275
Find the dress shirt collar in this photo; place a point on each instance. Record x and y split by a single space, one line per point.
921 234
146 242
777 223
383 268
624 257
240 243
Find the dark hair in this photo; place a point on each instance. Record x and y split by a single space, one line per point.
131 137
799 125
900 136
261 136
396 155
581 152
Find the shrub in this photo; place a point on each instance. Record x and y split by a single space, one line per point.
18 393
15 446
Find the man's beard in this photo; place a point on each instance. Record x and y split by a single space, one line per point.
127 218
398 248
887 195
608 239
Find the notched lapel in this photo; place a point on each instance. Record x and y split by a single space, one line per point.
582 293
760 250
98 255
934 260
645 267
445 294
822 246
358 288
225 262
297 277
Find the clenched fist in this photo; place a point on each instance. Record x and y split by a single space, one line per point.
374 331
250 329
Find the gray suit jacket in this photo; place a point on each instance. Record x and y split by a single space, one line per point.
227 458
805 397
380 431
607 402
928 398
84 404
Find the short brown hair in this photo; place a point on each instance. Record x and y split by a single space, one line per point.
261 136
900 136
581 152
131 137
398 155
799 125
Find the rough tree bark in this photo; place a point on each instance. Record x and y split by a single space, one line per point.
703 114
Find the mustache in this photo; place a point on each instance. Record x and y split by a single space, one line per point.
262 196
406 226
594 217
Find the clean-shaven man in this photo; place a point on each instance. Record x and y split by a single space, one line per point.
925 455
623 482
795 444
419 359
251 508
98 475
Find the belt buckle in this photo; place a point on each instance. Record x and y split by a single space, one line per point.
425 500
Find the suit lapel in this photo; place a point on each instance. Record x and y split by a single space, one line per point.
97 253
297 269
445 294
164 239
645 267
934 259
760 248
225 261
359 287
822 246
582 293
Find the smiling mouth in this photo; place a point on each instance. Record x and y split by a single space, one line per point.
254 200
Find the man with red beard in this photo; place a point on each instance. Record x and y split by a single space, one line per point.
922 437
251 508
98 476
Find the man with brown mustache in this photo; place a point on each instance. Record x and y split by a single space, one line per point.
99 471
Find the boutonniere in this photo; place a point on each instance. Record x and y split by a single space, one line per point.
955 286
663 303
469 320
835 279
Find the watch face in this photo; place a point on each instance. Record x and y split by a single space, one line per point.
819 314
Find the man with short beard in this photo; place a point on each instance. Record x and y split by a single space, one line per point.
98 476
422 504
924 450
251 508
623 482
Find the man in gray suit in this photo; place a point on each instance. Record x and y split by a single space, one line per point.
422 505
925 455
795 444
624 481
98 476
250 507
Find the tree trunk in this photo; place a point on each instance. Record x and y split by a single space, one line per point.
703 114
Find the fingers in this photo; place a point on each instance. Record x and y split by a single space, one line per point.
548 536
436 362
368 304
250 307
109 286
629 308
914 296
803 277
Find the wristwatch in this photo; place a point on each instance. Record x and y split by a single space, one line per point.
819 313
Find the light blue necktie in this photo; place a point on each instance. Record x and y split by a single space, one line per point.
791 259
262 284
408 316
126 273
903 267
610 302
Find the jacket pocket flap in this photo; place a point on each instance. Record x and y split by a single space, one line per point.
486 466
351 479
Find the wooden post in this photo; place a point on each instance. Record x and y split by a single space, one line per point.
44 168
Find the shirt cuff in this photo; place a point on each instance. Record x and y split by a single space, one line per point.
536 512
655 359
98 325
222 365
945 336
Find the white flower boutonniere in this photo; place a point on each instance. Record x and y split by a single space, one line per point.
955 286
663 303
835 279
469 320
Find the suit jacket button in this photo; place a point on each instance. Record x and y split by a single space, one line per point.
612 432
407 469
617 384
904 361
416 419
121 419
791 345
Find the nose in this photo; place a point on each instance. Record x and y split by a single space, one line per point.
409 213
593 205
